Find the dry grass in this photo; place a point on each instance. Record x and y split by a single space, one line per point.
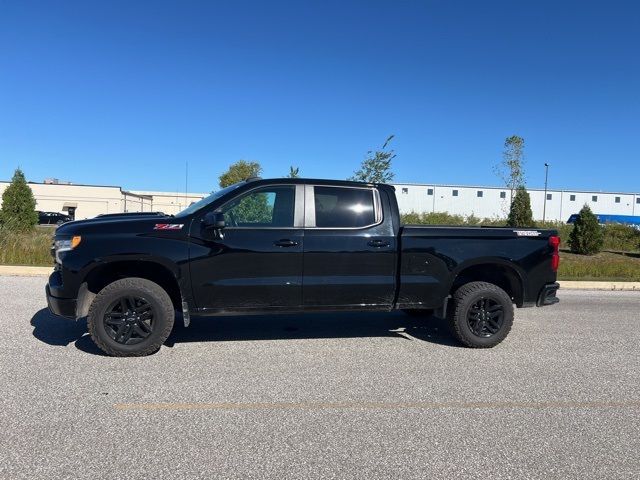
604 266
26 248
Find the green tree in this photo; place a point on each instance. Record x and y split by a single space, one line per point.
511 169
255 207
294 172
18 212
376 167
586 237
520 214
240 171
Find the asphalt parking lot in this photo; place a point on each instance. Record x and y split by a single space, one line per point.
324 396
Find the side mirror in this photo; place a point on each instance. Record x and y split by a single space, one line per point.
213 220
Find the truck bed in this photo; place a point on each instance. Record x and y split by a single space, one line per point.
432 258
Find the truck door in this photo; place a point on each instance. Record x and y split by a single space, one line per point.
349 249
255 261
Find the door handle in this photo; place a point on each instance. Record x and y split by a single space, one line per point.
378 243
285 242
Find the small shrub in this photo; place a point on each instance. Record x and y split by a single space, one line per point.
586 237
620 237
443 218
432 218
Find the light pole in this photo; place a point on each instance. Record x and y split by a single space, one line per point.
546 176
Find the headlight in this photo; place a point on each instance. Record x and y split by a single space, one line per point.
65 244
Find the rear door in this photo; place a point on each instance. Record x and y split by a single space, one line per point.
349 249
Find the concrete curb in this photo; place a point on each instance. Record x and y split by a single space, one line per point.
24 271
587 285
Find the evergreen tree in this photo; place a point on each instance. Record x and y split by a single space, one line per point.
376 167
18 212
586 237
520 214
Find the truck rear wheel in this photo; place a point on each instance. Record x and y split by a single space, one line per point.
481 315
130 317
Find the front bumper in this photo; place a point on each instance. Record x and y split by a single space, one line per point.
548 295
64 307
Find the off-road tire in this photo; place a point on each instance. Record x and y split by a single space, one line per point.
154 294
463 300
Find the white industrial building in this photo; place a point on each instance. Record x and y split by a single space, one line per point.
494 202
87 201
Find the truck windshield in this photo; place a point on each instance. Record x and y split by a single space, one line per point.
194 207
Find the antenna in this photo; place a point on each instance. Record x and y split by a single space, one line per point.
186 181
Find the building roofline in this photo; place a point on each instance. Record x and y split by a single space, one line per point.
175 194
139 195
564 190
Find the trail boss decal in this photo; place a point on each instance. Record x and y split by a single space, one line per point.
168 226
527 233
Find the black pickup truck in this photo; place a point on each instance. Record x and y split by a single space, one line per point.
292 245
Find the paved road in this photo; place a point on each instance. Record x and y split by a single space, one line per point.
324 396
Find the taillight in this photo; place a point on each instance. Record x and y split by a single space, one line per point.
554 241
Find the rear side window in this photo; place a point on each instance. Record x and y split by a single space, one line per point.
337 207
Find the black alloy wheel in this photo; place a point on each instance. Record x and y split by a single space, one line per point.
480 314
129 320
485 317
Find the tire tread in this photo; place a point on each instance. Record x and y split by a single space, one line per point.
138 284
458 313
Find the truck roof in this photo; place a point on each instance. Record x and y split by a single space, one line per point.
316 181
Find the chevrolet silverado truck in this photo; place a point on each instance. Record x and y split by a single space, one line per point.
292 245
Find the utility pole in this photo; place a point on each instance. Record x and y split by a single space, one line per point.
546 177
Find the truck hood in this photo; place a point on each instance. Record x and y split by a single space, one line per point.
122 223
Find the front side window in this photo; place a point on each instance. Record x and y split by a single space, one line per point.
266 207
337 207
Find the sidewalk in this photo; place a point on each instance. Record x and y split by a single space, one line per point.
21 271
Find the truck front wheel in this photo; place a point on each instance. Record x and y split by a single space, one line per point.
130 317
481 315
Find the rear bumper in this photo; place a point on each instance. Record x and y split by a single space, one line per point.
547 295
64 307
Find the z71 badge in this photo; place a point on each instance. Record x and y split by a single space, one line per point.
168 226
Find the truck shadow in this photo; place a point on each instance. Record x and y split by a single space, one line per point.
58 331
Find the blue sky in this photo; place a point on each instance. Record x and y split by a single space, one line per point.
126 92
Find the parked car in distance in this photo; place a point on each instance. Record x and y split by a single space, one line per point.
52 218
293 245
